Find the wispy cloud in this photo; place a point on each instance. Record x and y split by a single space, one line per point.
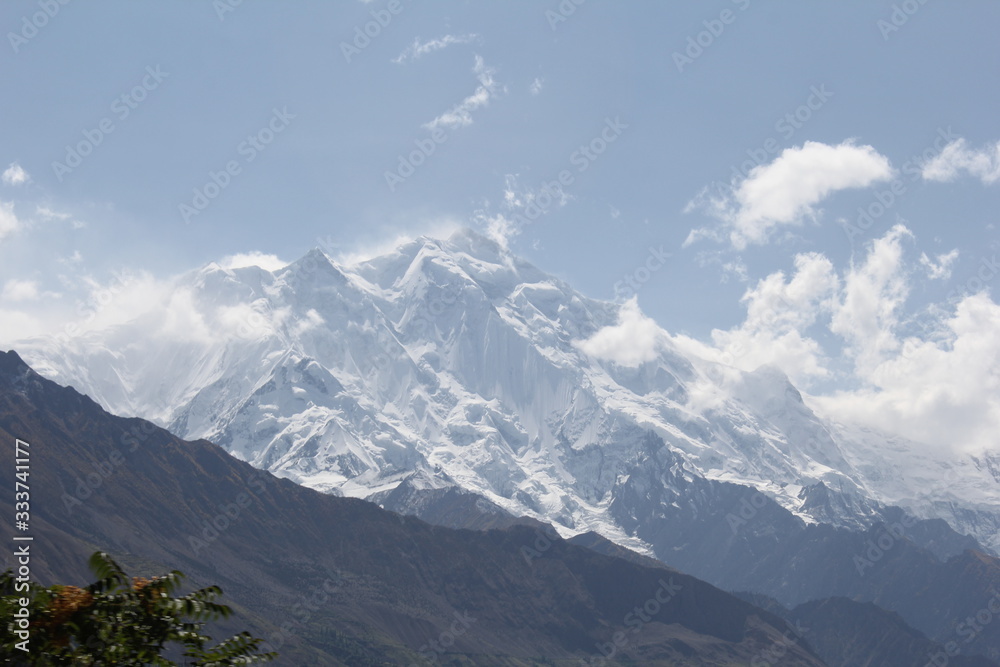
15 175
957 157
939 269
46 213
518 203
461 115
419 49
9 222
536 86
786 191
19 290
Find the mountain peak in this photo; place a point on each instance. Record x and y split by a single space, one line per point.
12 364
316 254
315 263
456 355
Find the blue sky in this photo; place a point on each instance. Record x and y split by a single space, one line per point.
303 120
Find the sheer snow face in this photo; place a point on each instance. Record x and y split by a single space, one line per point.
460 363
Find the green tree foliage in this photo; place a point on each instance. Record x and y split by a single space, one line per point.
119 621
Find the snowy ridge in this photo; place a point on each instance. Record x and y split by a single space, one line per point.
456 363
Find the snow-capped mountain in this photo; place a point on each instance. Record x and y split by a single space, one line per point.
454 363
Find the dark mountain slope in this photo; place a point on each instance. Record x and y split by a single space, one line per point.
860 634
738 539
340 581
856 634
451 507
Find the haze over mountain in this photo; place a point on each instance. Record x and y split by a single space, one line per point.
453 363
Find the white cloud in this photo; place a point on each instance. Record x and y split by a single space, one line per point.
941 268
941 387
15 175
165 308
517 197
729 267
172 310
775 303
19 290
181 319
735 268
634 340
418 48
88 304
311 320
11 223
120 299
786 191
8 220
867 314
47 213
253 258
779 312
957 157
536 86
861 308
253 321
514 195
499 228
943 390
390 238
16 325
461 115
518 204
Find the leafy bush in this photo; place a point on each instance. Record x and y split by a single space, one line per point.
119 621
